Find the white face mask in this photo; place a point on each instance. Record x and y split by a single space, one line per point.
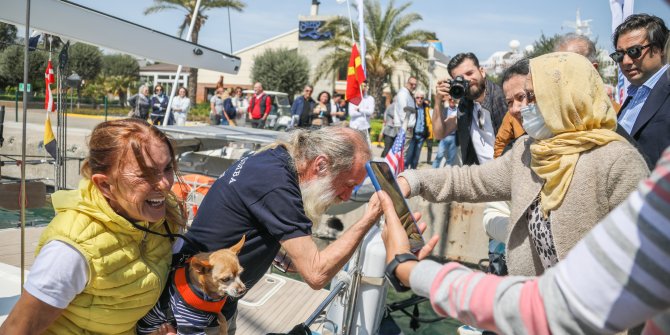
533 123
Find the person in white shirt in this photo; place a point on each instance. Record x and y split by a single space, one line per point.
404 102
180 106
241 104
338 110
360 115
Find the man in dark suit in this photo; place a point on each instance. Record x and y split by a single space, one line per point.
645 115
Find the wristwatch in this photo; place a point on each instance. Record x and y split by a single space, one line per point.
389 273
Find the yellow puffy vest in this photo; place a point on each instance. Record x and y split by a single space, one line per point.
127 267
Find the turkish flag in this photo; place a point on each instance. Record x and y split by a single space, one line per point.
49 79
355 77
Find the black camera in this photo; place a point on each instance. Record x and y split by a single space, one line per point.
459 87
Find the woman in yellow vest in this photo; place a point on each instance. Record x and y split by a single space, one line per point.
97 269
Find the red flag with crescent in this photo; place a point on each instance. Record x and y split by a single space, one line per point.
355 77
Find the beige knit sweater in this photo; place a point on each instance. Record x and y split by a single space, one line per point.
603 177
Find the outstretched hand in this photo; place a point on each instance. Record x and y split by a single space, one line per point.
404 186
394 235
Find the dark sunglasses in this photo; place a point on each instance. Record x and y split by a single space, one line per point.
633 52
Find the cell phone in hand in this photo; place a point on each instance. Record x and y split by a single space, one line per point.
382 179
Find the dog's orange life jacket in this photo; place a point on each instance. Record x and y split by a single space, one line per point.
192 298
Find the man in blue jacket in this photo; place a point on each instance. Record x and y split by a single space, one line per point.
301 110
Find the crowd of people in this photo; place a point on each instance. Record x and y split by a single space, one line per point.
586 228
154 107
566 174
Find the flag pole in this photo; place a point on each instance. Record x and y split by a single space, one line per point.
353 39
23 144
176 78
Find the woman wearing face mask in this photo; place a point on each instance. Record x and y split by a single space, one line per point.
562 179
96 270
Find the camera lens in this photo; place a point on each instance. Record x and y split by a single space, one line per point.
457 92
459 88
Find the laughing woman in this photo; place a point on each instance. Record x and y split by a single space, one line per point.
96 270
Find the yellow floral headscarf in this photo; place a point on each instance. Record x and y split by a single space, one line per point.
572 99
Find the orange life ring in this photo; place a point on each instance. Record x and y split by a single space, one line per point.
183 188
188 182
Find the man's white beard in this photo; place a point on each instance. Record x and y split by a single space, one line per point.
317 196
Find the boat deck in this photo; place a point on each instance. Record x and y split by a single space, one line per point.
275 304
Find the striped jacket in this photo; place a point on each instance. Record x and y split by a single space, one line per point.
618 276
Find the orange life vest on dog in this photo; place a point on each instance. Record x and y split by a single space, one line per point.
191 297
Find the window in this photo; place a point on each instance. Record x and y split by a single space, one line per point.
342 73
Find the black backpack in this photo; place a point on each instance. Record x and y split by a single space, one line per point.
229 108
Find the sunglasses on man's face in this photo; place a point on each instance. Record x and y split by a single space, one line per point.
633 52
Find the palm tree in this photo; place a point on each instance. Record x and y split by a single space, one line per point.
188 6
388 41
119 86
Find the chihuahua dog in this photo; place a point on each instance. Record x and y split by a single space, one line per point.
196 293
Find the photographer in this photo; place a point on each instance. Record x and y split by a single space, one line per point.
480 111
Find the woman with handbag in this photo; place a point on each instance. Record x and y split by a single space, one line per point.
140 103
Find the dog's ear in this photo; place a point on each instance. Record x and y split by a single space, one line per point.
200 263
237 247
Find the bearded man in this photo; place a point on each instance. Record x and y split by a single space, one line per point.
275 196
480 112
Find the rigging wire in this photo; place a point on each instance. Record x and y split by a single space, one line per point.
230 32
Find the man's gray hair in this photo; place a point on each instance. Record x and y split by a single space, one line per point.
591 53
339 144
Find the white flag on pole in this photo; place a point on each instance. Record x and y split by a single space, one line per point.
361 33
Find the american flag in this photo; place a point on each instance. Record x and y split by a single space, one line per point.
394 158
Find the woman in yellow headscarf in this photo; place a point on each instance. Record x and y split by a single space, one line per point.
566 175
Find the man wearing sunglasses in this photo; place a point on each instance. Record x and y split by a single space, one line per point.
645 115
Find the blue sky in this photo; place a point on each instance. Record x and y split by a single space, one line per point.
480 26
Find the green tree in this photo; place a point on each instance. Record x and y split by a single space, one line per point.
120 65
119 85
389 37
11 67
543 45
85 60
7 35
95 90
281 70
119 73
188 6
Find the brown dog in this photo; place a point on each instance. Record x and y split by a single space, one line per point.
218 275
194 301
